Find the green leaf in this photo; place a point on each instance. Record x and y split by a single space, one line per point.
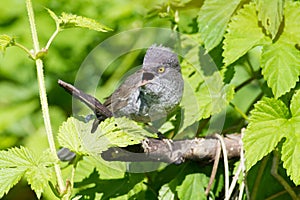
67 20
6 41
268 117
112 132
203 96
212 21
16 162
270 18
192 187
165 193
69 134
243 33
280 61
280 64
291 147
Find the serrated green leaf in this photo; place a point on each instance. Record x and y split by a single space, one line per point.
280 61
212 21
291 147
16 162
243 33
268 117
291 31
67 20
6 41
193 187
280 64
9 178
112 132
69 134
270 18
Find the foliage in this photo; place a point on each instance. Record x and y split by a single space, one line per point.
249 69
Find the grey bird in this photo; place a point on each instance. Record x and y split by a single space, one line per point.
149 94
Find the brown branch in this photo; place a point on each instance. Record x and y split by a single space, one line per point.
198 149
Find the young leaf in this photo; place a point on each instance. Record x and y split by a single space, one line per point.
67 20
6 41
192 187
16 162
270 18
243 34
212 21
267 126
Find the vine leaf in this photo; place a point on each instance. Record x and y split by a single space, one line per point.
280 61
17 162
6 41
270 122
67 20
212 21
112 132
239 41
270 18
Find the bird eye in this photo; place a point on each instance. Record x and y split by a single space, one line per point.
161 69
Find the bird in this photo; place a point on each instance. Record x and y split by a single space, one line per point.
149 94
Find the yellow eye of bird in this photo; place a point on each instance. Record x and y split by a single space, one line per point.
161 69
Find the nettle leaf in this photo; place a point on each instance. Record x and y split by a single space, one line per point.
212 21
6 41
67 20
280 61
271 121
165 193
193 187
112 132
243 33
17 162
270 18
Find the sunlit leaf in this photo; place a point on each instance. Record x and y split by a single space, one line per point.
165 193
291 147
280 64
212 21
112 132
16 162
243 33
266 128
270 18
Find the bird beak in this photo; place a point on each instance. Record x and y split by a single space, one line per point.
146 78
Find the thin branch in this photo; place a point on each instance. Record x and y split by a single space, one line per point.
198 149
25 49
52 38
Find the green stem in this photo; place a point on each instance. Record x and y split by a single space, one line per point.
52 38
43 95
239 111
24 49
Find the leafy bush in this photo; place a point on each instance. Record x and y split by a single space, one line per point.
254 46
